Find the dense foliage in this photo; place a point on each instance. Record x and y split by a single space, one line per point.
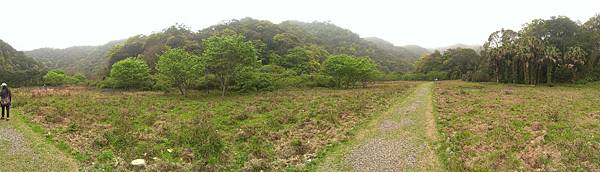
274 43
18 69
459 63
346 70
180 69
545 51
129 73
59 78
226 53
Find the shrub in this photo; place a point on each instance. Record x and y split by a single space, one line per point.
478 76
130 73
432 75
55 78
178 68
249 79
347 70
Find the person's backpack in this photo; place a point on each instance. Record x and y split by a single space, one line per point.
5 101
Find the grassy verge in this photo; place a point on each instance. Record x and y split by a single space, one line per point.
518 127
24 149
277 130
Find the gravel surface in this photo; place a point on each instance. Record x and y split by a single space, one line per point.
381 153
14 140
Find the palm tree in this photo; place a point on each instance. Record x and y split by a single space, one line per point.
551 55
574 56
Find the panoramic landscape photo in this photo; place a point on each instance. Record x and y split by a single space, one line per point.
308 85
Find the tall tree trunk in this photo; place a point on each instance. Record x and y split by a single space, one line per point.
514 72
497 73
549 73
223 86
526 71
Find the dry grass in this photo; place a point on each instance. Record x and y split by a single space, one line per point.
513 127
260 131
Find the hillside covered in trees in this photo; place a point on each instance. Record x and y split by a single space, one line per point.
18 69
87 60
273 42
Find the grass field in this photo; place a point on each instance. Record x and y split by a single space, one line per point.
497 127
279 130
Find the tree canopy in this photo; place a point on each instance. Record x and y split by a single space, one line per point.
544 51
179 68
348 70
130 73
227 52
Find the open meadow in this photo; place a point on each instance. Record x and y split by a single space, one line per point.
505 127
326 86
283 129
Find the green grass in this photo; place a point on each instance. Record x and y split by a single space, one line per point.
499 127
276 130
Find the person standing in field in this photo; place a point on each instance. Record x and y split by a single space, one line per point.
5 100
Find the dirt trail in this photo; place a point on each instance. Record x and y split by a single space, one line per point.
398 140
21 149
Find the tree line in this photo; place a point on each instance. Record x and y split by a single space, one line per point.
544 51
229 62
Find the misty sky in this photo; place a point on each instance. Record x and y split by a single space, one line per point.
30 24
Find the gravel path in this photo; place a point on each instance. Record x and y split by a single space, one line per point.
14 141
401 140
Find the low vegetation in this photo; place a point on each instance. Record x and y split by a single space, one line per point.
515 127
276 130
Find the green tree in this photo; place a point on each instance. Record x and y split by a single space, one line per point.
552 54
130 73
225 53
346 70
304 59
499 49
573 60
55 78
179 68
430 62
460 61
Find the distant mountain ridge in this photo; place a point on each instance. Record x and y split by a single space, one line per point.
414 51
87 60
477 48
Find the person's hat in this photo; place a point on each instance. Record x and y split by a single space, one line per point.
4 85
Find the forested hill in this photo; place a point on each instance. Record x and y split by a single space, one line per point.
273 41
477 48
16 68
403 51
87 60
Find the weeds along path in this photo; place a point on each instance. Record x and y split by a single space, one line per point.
401 139
21 149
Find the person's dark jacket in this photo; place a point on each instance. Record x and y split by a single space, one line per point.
5 93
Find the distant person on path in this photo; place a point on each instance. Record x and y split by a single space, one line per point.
5 100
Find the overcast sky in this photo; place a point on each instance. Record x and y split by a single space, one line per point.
30 24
